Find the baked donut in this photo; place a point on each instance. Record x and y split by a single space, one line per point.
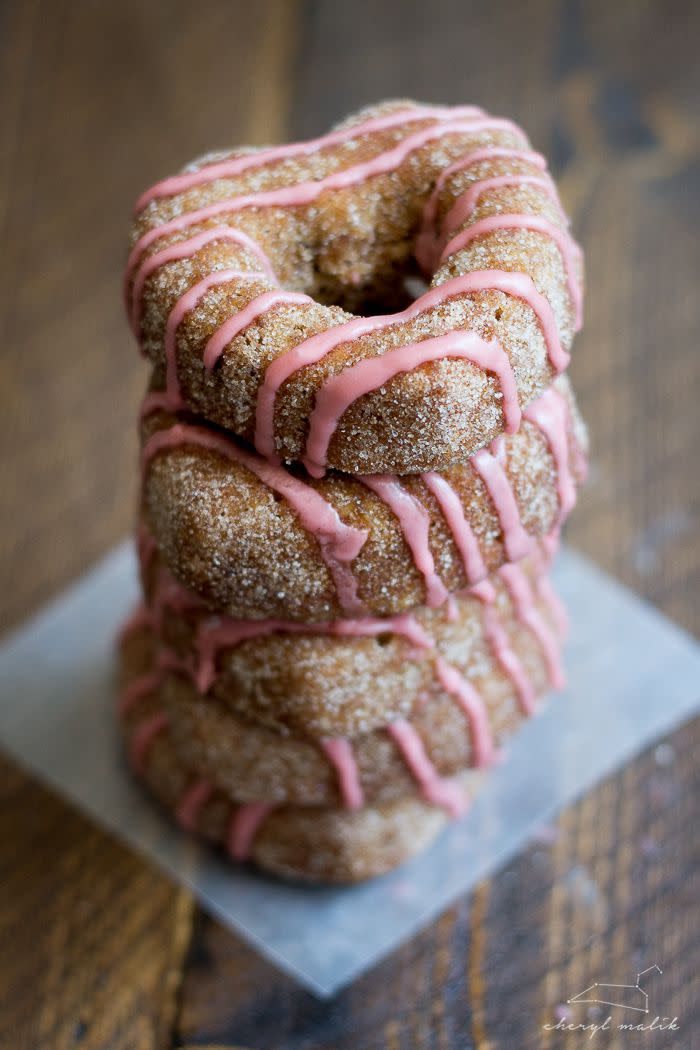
343 677
309 843
243 270
257 541
454 722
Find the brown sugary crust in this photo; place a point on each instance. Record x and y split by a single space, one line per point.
252 762
313 843
355 246
329 686
229 538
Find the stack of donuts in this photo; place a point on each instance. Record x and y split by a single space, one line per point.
358 448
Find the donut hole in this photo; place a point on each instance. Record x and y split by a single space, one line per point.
365 288
384 639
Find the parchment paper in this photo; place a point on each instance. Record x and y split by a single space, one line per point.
633 677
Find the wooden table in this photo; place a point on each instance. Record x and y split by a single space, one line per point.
97 949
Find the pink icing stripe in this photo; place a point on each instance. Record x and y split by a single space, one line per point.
555 606
497 638
140 619
462 532
473 706
570 251
168 662
522 597
465 205
192 297
486 463
550 414
139 688
183 250
549 544
143 738
169 594
194 799
316 347
484 591
439 792
306 192
340 391
233 166
225 633
245 823
426 238
414 522
255 309
339 543
339 753
157 401
145 548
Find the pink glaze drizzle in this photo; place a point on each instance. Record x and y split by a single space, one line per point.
138 689
488 465
521 595
426 241
484 590
184 250
230 167
169 594
306 192
173 400
340 755
339 543
338 392
555 605
570 251
192 802
243 827
436 790
143 738
463 207
414 522
550 414
315 348
146 547
457 120
504 654
453 512
471 703
255 309
138 620
220 633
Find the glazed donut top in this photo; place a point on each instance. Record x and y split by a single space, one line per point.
243 269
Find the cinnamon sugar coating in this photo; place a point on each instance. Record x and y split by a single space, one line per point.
311 843
231 539
252 762
351 249
324 685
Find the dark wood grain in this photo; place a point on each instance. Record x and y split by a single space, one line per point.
96 100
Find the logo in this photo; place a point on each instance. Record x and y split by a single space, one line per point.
632 998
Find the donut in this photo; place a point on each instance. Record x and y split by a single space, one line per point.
312 843
256 540
323 844
256 280
454 723
343 677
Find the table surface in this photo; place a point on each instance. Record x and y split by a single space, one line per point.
97 949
